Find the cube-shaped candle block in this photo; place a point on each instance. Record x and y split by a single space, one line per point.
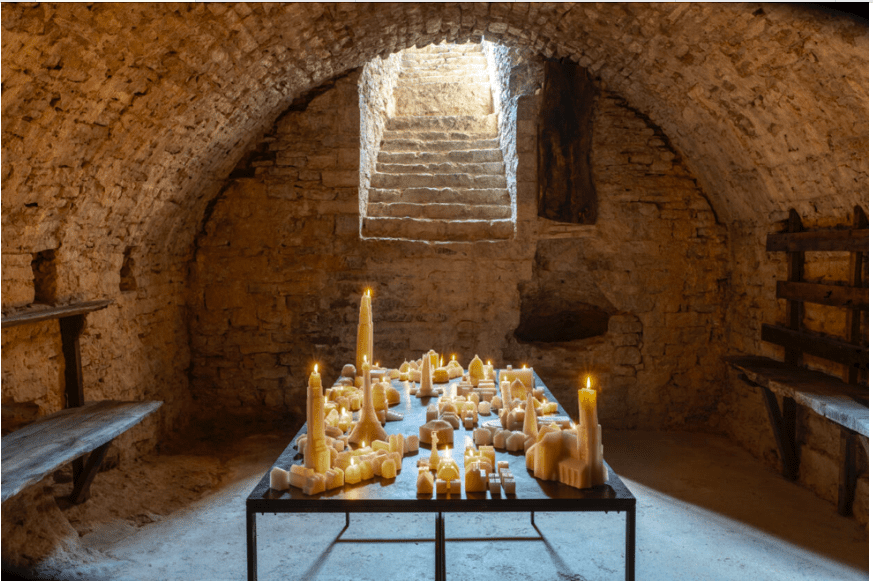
442 486
474 398
445 432
389 470
509 486
485 408
455 487
446 406
279 479
334 478
398 460
475 479
394 374
538 393
497 403
314 484
494 484
431 413
502 465
339 445
482 436
366 470
413 388
515 441
352 474
411 444
298 475
415 376
424 484
440 376
392 395
469 423
380 445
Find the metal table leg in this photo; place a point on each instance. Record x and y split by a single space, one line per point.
630 544
251 544
440 539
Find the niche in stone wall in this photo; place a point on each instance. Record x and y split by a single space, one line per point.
562 302
565 190
45 276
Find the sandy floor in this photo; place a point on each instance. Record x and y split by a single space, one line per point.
706 510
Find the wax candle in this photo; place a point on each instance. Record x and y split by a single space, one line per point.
424 484
368 427
316 455
353 473
365 332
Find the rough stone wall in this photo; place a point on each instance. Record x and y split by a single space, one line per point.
752 302
135 349
280 269
377 102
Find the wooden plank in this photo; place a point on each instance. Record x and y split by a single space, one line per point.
82 484
783 433
814 345
821 240
38 449
566 191
33 316
823 294
823 394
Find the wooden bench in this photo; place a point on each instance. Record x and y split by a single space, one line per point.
843 401
32 452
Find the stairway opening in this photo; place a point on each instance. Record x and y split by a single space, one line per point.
432 149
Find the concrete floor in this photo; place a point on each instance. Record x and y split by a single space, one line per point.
706 510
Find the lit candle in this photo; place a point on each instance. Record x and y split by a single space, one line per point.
353 473
316 456
365 332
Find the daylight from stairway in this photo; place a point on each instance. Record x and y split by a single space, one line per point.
439 175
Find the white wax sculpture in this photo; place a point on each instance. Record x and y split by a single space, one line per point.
316 455
426 388
575 456
368 428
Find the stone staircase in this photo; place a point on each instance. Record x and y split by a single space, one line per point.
439 174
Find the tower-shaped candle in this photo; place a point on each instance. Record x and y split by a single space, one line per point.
426 388
365 332
316 455
368 428
588 437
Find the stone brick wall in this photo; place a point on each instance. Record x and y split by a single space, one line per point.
377 102
280 268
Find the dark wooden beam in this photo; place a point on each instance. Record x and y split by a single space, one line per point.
822 347
848 472
823 240
836 295
36 315
566 190
782 432
84 478
795 274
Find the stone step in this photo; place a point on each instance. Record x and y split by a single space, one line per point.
398 181
434 135
465 123
448 47
432 146
479 169
483 196
472 68
439 211
462 157
443 78
417 60
437 230
442 99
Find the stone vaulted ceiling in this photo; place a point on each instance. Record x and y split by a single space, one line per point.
121 120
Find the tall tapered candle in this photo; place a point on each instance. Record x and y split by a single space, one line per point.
588 435
316 454
365 332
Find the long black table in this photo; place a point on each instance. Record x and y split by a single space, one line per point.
379 495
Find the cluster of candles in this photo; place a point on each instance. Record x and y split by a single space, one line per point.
558 450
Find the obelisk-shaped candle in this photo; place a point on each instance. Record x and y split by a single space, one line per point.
588 437
316 454
365 333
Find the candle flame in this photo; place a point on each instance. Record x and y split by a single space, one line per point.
588 382
489 362
353 460
441 362
377 364
365 358
453 357
316 368
524 366
368 292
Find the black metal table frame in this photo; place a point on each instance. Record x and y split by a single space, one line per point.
439 539
534 496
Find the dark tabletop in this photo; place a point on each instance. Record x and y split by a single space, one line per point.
380 495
